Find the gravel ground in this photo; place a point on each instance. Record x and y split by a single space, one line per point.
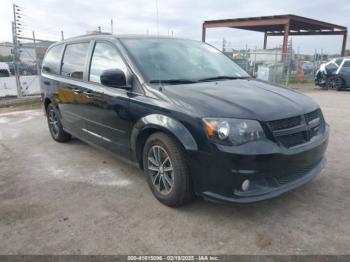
73 199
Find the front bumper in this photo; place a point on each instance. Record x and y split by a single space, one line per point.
320 79
271 170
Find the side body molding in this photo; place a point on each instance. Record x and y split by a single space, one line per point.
166 124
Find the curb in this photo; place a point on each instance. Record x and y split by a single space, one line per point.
14 101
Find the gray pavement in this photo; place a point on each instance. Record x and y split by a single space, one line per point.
74 199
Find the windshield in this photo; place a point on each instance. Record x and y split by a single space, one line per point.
180 61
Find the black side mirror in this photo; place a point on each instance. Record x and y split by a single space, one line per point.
114 78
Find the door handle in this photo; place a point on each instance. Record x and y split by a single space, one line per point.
76 91
47 83
88 94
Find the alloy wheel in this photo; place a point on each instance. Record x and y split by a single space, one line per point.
334 83
53 122
338 83
160 169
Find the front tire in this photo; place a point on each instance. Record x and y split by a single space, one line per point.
339 84
55 125
335 82
166 170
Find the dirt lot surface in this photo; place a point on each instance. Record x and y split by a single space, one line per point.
73 199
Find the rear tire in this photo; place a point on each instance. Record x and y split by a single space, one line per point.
339 84
55 125
166 170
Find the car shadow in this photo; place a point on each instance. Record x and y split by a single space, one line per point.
202 207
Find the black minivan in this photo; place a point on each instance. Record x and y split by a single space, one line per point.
193 120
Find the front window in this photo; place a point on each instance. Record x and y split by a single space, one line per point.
105 57
166 60
52 61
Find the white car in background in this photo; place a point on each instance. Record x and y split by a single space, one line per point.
4 70
334 74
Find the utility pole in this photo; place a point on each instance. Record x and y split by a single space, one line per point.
36 56
112 31
99 29
223 44
62 35
15 52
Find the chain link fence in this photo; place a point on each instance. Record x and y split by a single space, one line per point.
23 73
274 66
269 65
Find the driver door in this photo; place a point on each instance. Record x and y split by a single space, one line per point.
106 114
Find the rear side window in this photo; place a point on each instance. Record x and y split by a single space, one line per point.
74 60
331 67
346 63
338 61
52 61
105 57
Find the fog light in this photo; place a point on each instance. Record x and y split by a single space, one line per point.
245 185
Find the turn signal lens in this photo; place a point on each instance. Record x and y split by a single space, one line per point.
211 128
219 129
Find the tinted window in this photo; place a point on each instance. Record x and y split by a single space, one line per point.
346 64
74 60
338 61
331 67
176 59
105 57
52 61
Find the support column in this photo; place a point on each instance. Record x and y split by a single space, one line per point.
285 41
265 40
343 48
203 32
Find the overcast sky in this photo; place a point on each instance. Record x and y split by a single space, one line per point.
184 17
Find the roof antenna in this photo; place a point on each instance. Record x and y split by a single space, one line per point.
158 67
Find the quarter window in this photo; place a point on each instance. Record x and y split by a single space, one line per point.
105 57
52 61
346 63
74 60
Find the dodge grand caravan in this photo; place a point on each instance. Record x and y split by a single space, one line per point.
193 120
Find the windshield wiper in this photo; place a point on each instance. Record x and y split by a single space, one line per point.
173 81
222 78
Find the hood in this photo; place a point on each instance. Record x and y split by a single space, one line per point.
241 98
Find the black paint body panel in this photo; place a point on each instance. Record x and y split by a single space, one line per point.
118 119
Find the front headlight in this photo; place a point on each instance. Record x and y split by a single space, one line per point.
233 131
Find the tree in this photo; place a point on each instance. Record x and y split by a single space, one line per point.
7 58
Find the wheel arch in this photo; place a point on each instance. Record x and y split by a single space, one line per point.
47 101
150 124
342 77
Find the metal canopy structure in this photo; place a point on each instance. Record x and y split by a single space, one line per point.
280 25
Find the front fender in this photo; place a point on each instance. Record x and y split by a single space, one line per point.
166 124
